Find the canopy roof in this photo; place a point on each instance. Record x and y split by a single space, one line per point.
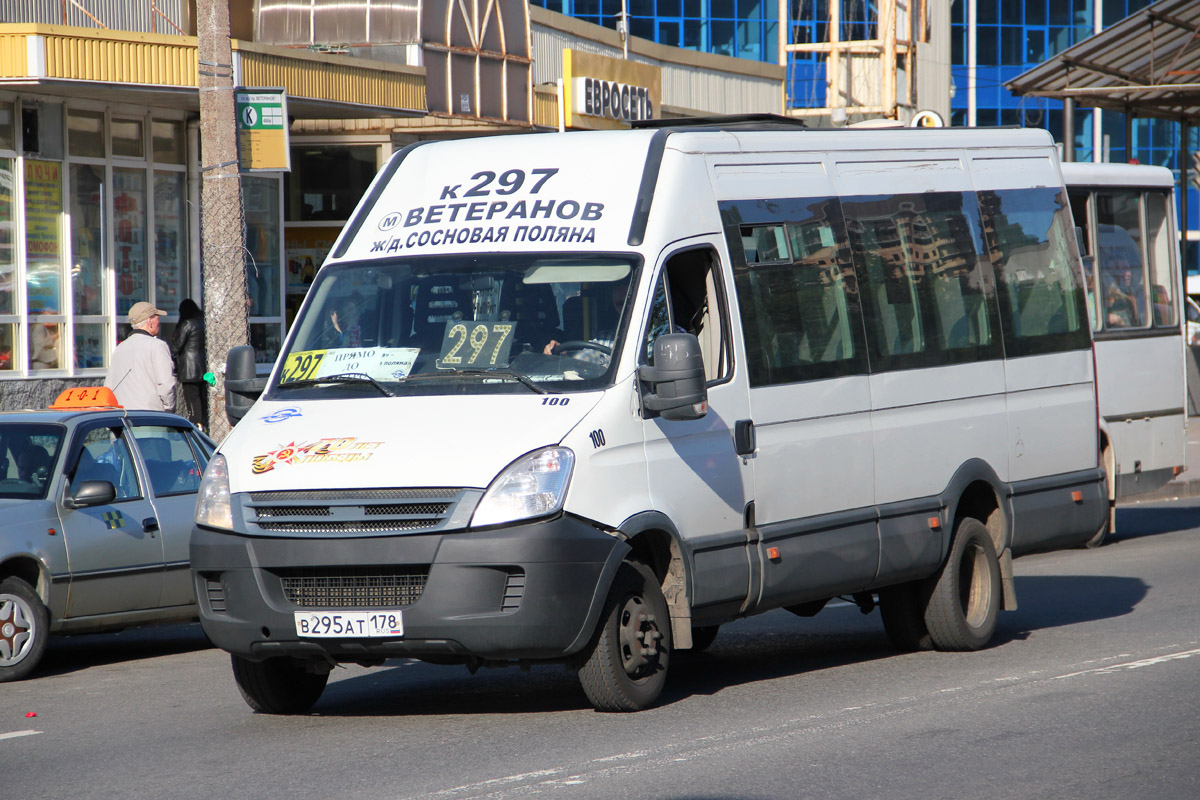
1148 63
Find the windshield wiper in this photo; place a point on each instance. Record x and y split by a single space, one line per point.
485 373
344 377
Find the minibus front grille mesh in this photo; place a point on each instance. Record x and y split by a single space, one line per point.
353 587
350 511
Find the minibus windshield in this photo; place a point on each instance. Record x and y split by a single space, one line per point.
492 323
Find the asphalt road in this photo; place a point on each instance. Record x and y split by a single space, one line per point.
1091 689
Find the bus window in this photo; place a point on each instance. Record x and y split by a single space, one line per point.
1160 252
1119 260
1083 228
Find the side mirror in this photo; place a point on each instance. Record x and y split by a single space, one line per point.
677 385
92 493
242 384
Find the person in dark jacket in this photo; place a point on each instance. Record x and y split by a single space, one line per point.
187 346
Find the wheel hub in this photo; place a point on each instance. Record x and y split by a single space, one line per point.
14 631
639 636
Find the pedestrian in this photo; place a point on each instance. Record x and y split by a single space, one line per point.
140 373
187 347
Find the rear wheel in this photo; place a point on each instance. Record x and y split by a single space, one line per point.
627 665
965 601
278 685
24 629
1106 526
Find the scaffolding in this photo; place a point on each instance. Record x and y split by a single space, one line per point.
867 51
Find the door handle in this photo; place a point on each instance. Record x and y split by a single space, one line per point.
744 440
150 525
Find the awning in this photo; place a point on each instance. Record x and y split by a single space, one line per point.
1148 64
162 70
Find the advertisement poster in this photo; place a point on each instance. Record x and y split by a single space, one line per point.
306 250
169 241
43 242
129 207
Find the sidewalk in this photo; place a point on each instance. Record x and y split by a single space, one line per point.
1186 484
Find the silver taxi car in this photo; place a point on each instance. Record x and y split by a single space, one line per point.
96 506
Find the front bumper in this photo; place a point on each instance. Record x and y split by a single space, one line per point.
532 591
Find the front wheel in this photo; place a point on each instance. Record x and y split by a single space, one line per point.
278 685
965 602
627 665
24 629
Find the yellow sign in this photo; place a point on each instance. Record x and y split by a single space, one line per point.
262 126
608 93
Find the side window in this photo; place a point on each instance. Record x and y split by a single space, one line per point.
170 462
927 294
1119 260
1161 255
1080 212
1029 238
105 456
688 299
797 292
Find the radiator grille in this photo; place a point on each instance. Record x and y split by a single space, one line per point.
354 587
352 511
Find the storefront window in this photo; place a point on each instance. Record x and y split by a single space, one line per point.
85 133
45 345
43 237
87 238
8 338
326 182
90 351
127 141
8 140
167 139
8 264
260 197
129 213
170 240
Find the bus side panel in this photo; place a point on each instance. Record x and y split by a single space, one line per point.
1052 415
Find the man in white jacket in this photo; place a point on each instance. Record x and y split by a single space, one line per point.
141 373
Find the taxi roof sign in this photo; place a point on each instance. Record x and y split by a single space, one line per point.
85 397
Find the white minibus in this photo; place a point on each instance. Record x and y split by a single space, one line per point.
583 398
1125 215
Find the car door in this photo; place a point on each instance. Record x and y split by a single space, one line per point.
114 551
172 470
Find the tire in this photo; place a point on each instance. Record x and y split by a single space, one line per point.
1101 535
965 599
903 610
24 629
278 685
627 665
703 636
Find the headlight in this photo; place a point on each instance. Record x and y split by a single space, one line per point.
213 508
534 485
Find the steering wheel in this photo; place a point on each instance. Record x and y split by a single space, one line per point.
580 344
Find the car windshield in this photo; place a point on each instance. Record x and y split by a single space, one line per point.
495 323
27 455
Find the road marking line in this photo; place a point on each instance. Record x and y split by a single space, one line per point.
17 734
1130 665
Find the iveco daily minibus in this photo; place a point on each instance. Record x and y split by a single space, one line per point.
583 398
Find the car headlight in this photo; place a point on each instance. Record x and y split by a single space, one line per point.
534 485
213 508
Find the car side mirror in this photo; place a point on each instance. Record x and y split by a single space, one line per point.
242 384
92 493
677 385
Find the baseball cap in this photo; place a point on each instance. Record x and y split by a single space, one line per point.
143 311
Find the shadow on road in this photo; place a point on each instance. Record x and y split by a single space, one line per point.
65 654
743 653
1150 520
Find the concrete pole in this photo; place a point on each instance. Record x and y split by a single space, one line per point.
222 225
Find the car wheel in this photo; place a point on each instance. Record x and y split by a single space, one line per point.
24 629
903 610
627 665
965 601
278 685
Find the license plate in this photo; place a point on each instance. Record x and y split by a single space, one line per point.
349 624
